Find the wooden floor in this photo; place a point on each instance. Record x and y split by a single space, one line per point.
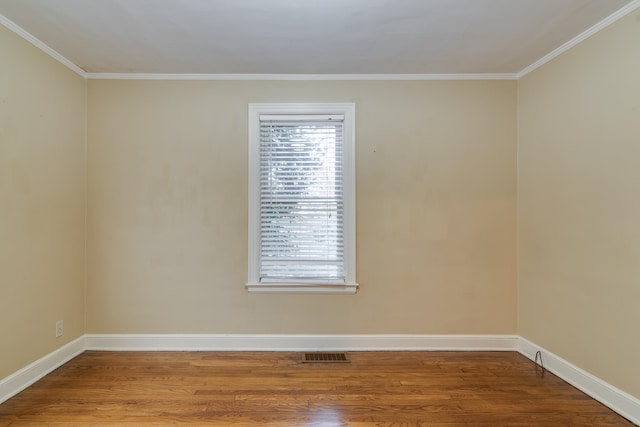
275 389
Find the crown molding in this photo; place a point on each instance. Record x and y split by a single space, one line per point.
9 24
580 37
635 4
299 77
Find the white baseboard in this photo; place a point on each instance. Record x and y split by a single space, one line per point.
610 396
301 342
619 401
18 381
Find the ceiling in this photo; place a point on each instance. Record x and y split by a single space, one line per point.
306 36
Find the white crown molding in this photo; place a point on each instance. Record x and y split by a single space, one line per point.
18 381
635 4
301 342
299 77
41 45
610 396
580 37
243 77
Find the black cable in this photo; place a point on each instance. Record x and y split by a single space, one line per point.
541 364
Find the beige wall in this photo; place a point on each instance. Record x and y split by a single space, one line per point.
579 205
167 209
42 206
436 200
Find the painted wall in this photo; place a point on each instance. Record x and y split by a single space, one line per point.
167 209
42 203
579 205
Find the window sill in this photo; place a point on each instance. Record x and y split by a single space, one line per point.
292 288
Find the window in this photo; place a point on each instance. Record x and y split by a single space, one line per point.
302 198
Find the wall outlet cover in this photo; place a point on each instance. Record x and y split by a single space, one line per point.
59 328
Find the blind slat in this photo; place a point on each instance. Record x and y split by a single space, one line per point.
301 199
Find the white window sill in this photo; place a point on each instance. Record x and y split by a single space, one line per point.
291 288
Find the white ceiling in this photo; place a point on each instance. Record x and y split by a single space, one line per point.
306 36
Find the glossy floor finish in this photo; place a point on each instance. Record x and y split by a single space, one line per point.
277 389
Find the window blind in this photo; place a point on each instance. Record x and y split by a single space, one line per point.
301 199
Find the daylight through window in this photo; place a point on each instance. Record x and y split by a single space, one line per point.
303 213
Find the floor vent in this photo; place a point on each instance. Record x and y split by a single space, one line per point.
325 358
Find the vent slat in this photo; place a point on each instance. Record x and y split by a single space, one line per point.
324 357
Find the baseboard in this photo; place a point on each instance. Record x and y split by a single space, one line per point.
301 342
610 396
619 401
18 381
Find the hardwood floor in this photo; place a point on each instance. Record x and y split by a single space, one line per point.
275 389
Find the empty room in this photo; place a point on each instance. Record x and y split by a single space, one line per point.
320 213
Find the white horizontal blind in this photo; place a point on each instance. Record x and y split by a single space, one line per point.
301 199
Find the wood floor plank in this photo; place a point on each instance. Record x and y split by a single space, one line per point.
409 389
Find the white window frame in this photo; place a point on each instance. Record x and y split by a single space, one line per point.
349 192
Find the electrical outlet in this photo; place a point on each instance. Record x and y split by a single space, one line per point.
59 328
